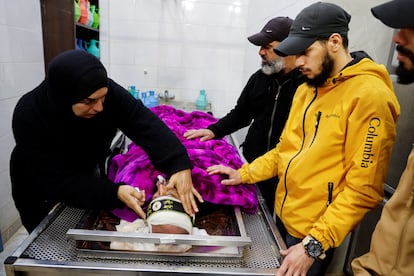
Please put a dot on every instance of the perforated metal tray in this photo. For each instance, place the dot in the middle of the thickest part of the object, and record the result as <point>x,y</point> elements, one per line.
<point>47,251</point>
<point>93,242</point>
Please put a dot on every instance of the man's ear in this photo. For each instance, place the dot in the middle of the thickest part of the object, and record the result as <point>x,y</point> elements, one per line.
<point>335,42</point>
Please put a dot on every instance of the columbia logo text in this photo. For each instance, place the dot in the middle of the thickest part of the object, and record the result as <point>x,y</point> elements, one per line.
<point>367,155</point>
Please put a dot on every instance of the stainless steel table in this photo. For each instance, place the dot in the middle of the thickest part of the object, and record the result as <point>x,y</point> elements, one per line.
<point>48,251</point>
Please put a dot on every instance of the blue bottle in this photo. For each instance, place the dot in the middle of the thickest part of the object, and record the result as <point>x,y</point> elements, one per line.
<point>1,243</point>
<point>152,99</point>
<point>144,98</point>
<point>201,101</point>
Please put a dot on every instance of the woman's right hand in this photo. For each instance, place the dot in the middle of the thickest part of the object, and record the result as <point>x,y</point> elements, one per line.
<point>133,198</point>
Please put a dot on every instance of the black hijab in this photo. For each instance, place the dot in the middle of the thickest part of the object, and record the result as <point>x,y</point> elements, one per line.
<point>74,75</point>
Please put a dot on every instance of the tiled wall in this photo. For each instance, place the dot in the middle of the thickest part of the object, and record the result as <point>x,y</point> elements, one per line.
<point>184,46</point>
<point>21,68</point>
<point>179,45</point>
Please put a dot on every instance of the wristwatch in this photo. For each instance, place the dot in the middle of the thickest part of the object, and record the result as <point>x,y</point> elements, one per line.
<point>313,248</point>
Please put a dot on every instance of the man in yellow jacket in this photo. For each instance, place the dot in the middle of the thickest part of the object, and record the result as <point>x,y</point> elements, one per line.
<point>392,243</point>
<point>333,154</point>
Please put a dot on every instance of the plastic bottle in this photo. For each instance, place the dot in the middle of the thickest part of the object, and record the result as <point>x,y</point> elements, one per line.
<point>91,14</point>
<point>201,101</point>
<point>77,11</point>
<point>83,19</point>
<point>144,98</point>
<point>135,93</point>
<point>92,46</point>
<point>1,243</point>
<point>152,99</point>
<point>96,18</point>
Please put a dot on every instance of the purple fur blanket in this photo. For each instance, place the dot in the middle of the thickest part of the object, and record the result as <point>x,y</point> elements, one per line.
<point>135,168</point>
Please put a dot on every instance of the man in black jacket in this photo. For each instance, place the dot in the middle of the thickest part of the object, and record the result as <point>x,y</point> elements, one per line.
<point>63,130</point>
<point>264,103</point>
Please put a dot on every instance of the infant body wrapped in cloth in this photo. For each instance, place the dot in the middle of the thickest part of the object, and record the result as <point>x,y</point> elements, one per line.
<point>165,214</point>
<point>136,169</point>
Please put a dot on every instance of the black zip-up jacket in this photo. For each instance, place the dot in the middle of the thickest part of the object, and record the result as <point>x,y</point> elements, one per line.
<point>264,104</point>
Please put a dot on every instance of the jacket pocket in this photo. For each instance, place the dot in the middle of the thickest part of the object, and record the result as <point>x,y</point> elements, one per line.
<point>330,191</point>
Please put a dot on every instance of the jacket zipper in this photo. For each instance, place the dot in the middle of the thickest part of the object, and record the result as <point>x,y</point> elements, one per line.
<point>269,134</point>
<point>300,150</point>
<point>330,190</point>
<point>318,118</point>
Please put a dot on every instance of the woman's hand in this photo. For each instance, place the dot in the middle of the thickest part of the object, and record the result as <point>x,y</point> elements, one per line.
<point>234,177</point>
<point>204,133</point>
<point>133,198</point>
<point>183,183</point>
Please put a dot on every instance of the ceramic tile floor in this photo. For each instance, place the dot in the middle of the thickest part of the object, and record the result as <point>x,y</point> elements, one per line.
<point>10,246</point>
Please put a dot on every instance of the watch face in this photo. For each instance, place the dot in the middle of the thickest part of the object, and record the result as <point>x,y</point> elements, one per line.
<point>314,248</point>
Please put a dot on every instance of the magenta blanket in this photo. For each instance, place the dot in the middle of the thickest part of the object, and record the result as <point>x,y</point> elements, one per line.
<point>136,169</point>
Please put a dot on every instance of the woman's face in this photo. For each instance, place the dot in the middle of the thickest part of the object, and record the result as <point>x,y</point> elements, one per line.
<point>88,108</point>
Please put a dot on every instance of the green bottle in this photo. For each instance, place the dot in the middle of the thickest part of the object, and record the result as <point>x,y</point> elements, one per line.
<point>201,102</point>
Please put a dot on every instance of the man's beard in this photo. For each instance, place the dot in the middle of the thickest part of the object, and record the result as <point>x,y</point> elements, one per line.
<point>327,67</point>
<point>405,76</point>
<point>272,67</point>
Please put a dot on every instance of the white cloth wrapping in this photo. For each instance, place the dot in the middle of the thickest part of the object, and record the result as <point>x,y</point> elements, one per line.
<point>159,214</point>
<point>139,226</point>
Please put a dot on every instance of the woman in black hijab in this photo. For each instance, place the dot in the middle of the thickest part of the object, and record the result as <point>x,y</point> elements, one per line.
<point>63,130</point>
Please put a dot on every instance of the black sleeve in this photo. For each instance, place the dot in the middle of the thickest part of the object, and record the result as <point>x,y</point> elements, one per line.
<point>145,129</point>
<point>240,116</point>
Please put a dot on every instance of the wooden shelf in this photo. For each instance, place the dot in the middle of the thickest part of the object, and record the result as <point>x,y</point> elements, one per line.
<point>60,29</point>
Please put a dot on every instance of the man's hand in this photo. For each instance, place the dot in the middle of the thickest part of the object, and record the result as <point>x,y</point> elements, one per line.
<point>133,198</point>
<point>183,183</point>
<point>205,134</point>
<point>234,177</point>
<point>295,261</point>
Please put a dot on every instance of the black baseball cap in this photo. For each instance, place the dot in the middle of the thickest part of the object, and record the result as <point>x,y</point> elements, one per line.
<point>276,29</point>
<point>396,14</point>
<point>317,21</point>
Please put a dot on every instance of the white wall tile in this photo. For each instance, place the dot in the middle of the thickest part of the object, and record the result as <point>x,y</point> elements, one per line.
<point>170,54</point>
<point>172,77</point>
<point>22,14</point>
<point>6,109</point>
<point>193,79</point>
<point>20,45</point>
<point>6,145</point>
<point>21,69</point>
<point>121,9</point>
<point>18,78</point>
<point>122,52</point>
<point>3,12</point>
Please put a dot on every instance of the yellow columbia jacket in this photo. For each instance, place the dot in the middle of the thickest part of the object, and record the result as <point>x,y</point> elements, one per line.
<point>333,155</point>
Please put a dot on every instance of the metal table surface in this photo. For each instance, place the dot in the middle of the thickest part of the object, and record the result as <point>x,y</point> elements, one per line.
<point>48,251</point>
